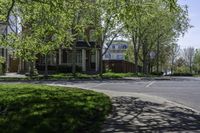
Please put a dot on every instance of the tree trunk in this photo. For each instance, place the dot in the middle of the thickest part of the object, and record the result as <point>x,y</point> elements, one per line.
<point>149,64</point>
<point>136,62</point>
<point>190,68</point>
<point>144,58</point>
<point>101,63</point>
<point>157,57</point>
<point>144,65</point>
<point>31,72</point>
<point>74,60</point>
<point>46,66</point>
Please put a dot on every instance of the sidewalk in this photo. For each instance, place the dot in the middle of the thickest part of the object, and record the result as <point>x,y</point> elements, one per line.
<point>13,75</point>
<point>140,113</point>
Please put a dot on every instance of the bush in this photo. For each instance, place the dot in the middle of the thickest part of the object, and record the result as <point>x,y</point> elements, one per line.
<point>68,69</point>
<point>39,108</point>
<point>58,69</point>
<point>182,74</point>
<point>157,73</point>
<point>2,68</point>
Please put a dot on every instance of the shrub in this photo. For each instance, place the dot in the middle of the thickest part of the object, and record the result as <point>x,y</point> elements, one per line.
<point>157,73</point>
<point>2,66</point>
<point>39,108</point>
<point>182,74</point>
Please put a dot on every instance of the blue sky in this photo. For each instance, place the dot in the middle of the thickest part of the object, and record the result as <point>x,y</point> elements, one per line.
<point>192,37</point>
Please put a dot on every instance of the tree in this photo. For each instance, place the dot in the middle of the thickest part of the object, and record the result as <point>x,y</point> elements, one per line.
<point>181,65</point>
<point>188,54</point>
<point>175,51</point>
<point>107,26</point>
<point>152,28</point>
<point>197,61</point>
<point>47,26</point>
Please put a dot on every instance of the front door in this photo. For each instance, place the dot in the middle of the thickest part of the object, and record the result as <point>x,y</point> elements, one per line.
<point>14,64</point>
<point>90,60</point>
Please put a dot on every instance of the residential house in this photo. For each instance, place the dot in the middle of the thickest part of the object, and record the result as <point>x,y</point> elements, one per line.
<point>116,51</point>
<point>87,58</point>
<point>114,58</point>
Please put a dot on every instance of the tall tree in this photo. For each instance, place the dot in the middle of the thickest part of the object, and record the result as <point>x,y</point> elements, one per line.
<point>107,26</point>
<point>197,61</point>
<point>175,51</point>
<point>189,56</point>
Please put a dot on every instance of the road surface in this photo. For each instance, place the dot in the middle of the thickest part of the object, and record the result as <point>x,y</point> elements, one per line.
<point>184,91</point>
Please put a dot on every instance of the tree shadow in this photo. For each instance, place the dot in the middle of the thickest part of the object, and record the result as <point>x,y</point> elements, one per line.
<point>133,115</point>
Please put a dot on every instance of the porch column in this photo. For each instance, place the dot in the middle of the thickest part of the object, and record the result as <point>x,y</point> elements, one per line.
<point>83,60</point>
<point>60,57</point>
<point>97,60</point>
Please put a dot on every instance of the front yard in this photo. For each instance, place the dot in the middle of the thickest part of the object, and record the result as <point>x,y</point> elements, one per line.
<point>40,108</point>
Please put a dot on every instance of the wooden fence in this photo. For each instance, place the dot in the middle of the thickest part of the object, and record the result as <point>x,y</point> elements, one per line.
<point>120,66</point>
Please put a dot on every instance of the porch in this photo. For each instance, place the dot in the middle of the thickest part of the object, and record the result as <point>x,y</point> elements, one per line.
<point>87,61</point>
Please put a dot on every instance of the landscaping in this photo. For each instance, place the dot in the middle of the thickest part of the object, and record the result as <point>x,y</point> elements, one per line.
<point>79,76</point>
<point>40,108</point>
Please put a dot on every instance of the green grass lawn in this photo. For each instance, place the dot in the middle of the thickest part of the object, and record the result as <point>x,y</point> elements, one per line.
<point>26,108</point>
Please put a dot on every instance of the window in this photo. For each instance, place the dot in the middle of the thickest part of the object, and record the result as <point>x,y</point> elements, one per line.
<point>64,56</point>
<point>120,57</point>
<point>125,46</point>
<point>69,56</point>
<point>93,57</point>
<point>107,56</point>
<point>53,59</point>
<point>113,46</point>
<point>79,57</point>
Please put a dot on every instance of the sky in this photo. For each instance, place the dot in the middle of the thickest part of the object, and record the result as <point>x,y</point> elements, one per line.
<point>192,37</point>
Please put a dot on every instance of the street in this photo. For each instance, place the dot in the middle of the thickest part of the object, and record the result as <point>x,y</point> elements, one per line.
<point>184,91</point>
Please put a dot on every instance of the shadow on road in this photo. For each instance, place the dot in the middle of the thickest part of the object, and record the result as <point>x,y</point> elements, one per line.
<point>133,115</point>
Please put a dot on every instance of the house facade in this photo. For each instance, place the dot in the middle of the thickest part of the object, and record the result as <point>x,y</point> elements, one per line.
<point>116,50</point>
<point>4,51</point>
<point>87,59</point>
<point>11,62</point>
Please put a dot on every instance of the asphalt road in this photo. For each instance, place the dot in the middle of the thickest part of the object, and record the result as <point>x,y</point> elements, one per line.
<point>184,91</point>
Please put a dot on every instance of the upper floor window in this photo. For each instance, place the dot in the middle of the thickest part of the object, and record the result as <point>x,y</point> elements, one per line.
<point>125,46</point>
<point>113,46</point>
